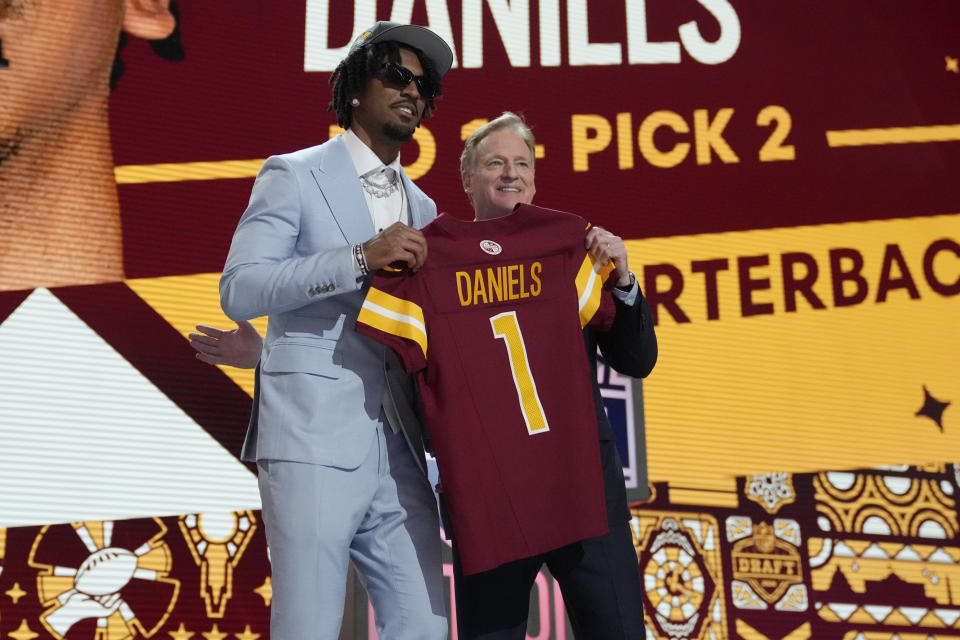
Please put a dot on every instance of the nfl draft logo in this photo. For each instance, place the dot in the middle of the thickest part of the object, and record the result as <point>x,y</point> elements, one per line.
<point>491,247</point>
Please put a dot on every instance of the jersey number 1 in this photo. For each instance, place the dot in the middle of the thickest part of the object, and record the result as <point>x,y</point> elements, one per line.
<point>505,326</point>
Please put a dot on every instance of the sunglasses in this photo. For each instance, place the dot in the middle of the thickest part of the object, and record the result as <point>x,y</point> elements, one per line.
<point>401,77</point>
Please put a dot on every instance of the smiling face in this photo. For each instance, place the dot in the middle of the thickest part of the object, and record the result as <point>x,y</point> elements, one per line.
<point>501,176</point>
<point>388,112</point>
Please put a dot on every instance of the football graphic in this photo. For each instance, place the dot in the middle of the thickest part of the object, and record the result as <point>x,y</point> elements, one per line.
<point>105,571</point>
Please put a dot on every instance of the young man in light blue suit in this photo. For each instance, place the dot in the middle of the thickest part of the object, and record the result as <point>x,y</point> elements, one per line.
<point>333,429</point>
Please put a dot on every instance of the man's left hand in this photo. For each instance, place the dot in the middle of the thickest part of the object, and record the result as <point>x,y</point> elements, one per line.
<point>606,247</point>
<point>238,347</point>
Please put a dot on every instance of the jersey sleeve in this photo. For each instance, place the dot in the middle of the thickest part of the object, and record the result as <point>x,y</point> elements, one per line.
<point>593,292</point>
<point>392,314</point>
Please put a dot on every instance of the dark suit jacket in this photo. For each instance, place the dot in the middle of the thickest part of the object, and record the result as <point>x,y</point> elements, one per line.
<point>630,347</point>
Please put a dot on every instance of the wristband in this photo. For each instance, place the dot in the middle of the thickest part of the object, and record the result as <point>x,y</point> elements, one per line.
<point>360,259</point>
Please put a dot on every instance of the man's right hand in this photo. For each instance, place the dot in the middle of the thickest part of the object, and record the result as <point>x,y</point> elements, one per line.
<point>396,243</point>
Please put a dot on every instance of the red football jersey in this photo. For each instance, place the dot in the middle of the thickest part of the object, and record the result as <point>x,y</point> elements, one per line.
<point>492,325</point>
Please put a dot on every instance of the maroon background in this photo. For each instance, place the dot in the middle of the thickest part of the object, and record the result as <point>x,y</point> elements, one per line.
<point>241,93</point>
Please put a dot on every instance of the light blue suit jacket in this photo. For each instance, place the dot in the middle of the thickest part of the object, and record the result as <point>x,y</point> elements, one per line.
<point>321,384</point>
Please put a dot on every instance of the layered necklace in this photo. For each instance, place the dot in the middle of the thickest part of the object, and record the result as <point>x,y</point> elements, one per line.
<point>380,183</point>
<point>383,183</point>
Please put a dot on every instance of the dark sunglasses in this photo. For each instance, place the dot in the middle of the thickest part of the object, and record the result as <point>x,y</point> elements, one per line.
<point>401,77</point>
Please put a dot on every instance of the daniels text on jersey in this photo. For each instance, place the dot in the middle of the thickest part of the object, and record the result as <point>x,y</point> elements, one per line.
<point>499,284</point>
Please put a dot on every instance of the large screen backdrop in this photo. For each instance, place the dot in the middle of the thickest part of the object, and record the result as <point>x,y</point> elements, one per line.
<point>787,177</point>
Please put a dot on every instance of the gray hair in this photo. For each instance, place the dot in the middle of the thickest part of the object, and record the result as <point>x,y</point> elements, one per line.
<point>508,120</point>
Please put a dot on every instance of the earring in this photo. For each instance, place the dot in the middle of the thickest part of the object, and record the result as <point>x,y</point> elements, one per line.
<point>355,102</point>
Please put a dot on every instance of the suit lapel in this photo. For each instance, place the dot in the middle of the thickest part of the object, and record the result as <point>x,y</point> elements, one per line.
<point>337,180</point>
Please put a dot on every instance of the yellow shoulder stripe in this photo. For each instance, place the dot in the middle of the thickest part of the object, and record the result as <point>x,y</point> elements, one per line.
<point>590,279</point>
<point>394,315</point>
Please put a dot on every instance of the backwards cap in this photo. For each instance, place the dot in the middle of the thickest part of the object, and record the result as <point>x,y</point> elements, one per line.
<point>432,45</point>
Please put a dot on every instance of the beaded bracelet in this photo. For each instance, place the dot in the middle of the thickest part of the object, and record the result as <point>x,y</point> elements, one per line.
<point>361,259</point>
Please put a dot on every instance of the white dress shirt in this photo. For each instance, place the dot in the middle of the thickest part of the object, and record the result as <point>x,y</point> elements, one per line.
<point>383,211</point>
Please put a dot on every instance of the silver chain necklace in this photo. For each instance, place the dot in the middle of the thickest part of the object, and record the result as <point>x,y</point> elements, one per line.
<point>380,190</point>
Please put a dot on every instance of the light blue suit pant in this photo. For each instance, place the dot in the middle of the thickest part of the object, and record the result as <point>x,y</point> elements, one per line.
<point>382,515</point>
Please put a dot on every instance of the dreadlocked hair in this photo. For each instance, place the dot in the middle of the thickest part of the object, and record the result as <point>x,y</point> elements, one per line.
<point>351,75</point>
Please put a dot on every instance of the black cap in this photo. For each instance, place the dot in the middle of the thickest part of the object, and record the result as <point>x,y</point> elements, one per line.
<point>432,45</point>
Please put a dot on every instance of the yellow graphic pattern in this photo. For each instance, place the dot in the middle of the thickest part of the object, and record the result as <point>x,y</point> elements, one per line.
<point>808,389</point>
<point>897,505</point>
<point>747,632</point>
<point>893,135</point>
<point>771,490</point>
<point>862,511</point>
<point>217,543</point>
<point>884,635</point>
<point>937,568</point>
<point>682,574</point>
<point>894,616</point>
<point>71,594</point>
<point>766,563</point>
<point>23,632</point>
